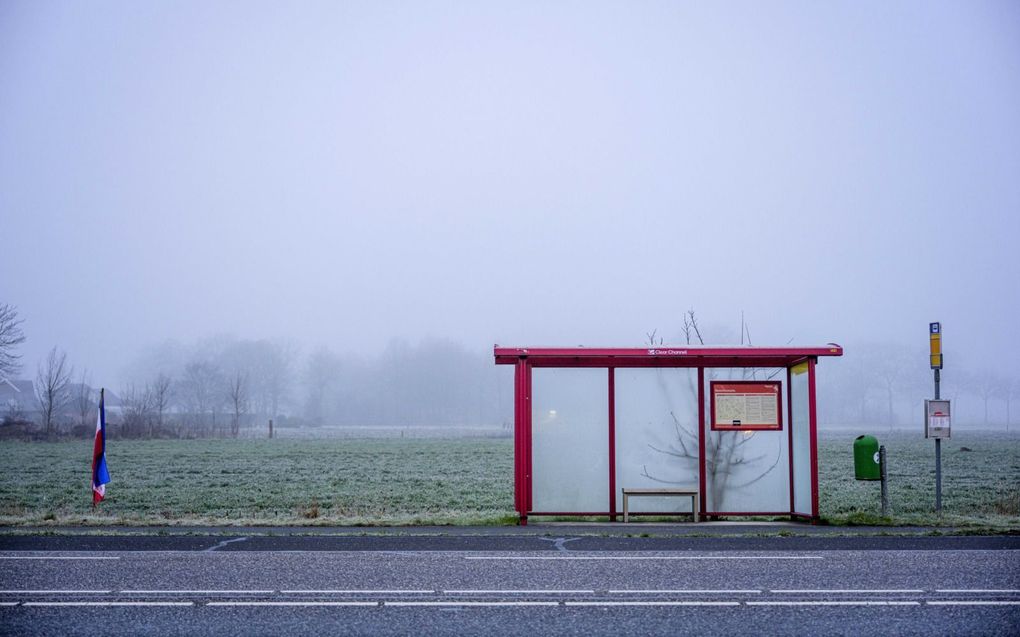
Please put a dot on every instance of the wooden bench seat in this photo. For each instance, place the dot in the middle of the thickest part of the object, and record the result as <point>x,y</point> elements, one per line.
<point>693,495</point>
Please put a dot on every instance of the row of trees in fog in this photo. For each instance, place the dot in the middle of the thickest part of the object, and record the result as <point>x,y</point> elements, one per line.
<point>224,386</point>
<point>227,386</point>
<point>886,384</point>
<point>238,383</point>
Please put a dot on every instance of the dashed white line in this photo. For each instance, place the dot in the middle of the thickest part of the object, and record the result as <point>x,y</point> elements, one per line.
<point>654,603</point>
<point>54,592</point>
<point>644,557</point>
<point>841,602</point>
<point>519,592</point>
<point>356,592</point>
<point>801,591</point>
<point>196,592</point>
<point>108,604</point>
<point>293,603</point>
<point>8,603</point>
<point>972,602</point>
<point>40,557</point>
<point>465,603</point>
<point>689,591</point>
<point>977,590</point>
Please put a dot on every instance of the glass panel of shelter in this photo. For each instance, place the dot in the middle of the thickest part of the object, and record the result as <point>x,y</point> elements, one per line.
<point>746,471</point>
<point>570,440</point>
<point>800,429</point>
<point>656,435</point>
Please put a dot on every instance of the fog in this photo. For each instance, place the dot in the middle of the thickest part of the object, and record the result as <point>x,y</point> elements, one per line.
<point>363,177</point>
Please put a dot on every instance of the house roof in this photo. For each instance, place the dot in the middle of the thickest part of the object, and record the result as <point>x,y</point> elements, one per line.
<point>22,391</point>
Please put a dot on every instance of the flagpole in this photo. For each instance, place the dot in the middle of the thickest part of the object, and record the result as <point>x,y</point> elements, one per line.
<point>99,471</point>
<point>101,396</point>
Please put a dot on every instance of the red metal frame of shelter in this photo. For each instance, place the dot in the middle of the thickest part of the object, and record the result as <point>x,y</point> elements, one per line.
<point>525,359</point>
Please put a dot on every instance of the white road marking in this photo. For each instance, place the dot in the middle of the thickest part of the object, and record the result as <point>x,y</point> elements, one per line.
<point>846,590</point>
<point>54,592</point>
<point>37,557</point>
<point>108,604</point>
<point>197,592</point>
<point>471,603</point>
<point>972,602</point>
<point>652,603</point>
<point>827,602</point>
<point>977,590</point>
<point>292,604</point>
<point>647,557</point>
<point>8,603</point>
<point>357,592</point>
<point>517,592</point>
<point>688,591</point>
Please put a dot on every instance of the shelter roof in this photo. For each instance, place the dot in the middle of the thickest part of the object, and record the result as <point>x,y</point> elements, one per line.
<point>663,356</point>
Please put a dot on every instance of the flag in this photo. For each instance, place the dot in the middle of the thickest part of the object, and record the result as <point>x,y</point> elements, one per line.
<point>100,474</point>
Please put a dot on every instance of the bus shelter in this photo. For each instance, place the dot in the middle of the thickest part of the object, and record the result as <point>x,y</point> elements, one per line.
<point>736,425</point>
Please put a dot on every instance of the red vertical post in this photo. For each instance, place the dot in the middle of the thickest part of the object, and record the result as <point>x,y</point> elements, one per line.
<point>612,444</point>
<point>527,440</point>
<point>813,420</point>
<point>789,432</point>
<point>519,455</point>
<point>702,496</point>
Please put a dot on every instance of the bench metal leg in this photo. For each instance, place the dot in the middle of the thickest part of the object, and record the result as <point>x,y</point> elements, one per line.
<point>625,509</point>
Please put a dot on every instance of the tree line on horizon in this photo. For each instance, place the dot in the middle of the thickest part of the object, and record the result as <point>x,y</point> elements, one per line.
<point>229,387</point>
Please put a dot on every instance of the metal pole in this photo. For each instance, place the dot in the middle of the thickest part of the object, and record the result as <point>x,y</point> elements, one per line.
<point>885,490</point>
<point>938,457</point>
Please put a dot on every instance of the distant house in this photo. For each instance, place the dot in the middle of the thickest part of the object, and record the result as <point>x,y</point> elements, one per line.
<point>113,401</point>
<point>17,399</point>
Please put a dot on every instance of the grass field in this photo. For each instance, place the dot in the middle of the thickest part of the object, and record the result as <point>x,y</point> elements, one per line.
<point>438,481</point>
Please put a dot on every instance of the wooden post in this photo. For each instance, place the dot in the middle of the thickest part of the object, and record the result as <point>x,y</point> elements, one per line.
<point>270,428</point>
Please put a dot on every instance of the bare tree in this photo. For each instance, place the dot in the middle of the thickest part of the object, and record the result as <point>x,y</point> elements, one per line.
<point>137,415</point>
<point>724,450</point>
<point>161,391</point>
<point>11,336</point>
<point>200,385</point>
<point>987,385</point>
<point>51,383</point>
<point>82,400</point>
<point>237,394</point>
<point>889,366</point>
<point>321,373</point>
<point>1011,390</point>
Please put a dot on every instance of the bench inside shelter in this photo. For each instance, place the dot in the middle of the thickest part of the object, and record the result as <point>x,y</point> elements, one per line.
<point>693,495</point>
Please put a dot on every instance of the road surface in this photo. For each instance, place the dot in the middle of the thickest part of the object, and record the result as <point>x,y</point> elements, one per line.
<point>497,584</point>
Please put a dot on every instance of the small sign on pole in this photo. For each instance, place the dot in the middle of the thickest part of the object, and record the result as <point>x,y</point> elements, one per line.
<point>935,344</point>
<point>937,419</point>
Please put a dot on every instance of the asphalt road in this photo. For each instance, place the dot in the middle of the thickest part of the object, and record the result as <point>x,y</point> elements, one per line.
<point>533,584</point>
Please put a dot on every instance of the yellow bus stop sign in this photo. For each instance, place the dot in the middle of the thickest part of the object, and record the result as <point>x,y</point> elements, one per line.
<point>935,344</point>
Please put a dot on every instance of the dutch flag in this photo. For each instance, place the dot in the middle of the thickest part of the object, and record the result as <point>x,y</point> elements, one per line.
<point>100,474</point>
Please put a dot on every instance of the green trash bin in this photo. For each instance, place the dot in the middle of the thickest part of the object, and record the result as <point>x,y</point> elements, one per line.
<point>866,466</point>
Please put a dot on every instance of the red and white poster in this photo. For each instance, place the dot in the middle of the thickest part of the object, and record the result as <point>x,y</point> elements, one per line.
<point>746,404</point>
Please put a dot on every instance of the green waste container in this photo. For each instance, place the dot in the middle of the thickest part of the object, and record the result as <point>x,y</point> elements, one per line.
<point>866,466</point>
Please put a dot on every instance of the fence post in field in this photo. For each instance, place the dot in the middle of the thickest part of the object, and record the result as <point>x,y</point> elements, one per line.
<point>885,490</point>
<point>270,428</point>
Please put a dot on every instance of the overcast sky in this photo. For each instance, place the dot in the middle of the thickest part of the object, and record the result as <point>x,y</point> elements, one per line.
<point>520,173</point>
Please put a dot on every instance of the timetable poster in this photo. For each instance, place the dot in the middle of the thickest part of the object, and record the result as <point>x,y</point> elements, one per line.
<point>740,405</point>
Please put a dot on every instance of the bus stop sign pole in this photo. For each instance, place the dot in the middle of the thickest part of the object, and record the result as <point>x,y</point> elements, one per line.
<point>935,350</point>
